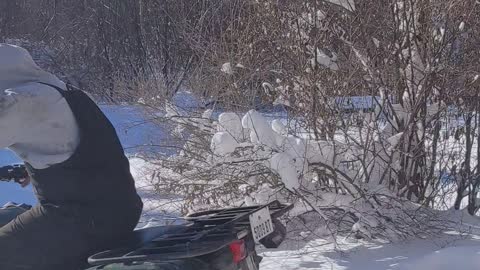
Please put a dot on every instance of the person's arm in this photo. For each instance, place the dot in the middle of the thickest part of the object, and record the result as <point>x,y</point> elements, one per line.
<point>23,109</point>
<point>9,117</point>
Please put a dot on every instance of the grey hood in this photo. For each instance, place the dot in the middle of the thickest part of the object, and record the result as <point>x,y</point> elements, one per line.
<point>17,67</point>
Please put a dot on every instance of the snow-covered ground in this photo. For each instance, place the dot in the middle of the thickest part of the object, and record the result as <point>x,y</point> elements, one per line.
<point>414,255</point>
<point>302,250</point>
<point>456,248</point>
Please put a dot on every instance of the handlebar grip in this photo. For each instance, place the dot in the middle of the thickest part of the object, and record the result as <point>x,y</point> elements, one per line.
<point>13,172</point>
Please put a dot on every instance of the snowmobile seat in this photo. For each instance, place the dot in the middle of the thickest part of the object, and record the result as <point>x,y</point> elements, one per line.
<point>141,237</point>
<point>133,241</point>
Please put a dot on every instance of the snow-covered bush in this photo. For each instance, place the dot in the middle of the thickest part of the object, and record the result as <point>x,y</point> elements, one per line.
<point>251,158</point>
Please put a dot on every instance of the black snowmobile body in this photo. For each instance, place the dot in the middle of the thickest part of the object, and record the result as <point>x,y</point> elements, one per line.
<point>221,239</point>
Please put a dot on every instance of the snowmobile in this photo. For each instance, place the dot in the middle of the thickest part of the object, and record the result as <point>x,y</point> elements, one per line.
<point>222,239</point>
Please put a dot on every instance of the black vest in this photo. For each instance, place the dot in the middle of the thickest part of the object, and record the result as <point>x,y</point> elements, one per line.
<point>97,172</point>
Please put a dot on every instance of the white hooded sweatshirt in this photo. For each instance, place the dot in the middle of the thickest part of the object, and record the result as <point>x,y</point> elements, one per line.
<point>35,120</point>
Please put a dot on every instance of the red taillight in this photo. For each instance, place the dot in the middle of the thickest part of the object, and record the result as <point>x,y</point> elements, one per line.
<point>238,250</point>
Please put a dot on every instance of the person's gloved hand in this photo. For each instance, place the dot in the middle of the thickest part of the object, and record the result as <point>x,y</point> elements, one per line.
<point>24,181</point>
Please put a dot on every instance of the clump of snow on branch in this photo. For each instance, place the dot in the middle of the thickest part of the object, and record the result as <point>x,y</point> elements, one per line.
<point>323,59</point>
<point>227,68</point>
<point>231,123</point>
<point>346,4</point>
<point>223,143</point>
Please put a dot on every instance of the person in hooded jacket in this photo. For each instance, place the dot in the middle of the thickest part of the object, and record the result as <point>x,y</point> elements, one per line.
<point>80,175</point>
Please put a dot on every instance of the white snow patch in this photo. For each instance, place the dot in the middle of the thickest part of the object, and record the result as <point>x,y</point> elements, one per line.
<point>279,127</point>
<point>171,110</point>
<point>207,114</point>
<point>393,141</point>
<point>157,209</point>
<point>464,257</point>
<point>346,4</point>
<point>325,60</point>
<point>227,68</point>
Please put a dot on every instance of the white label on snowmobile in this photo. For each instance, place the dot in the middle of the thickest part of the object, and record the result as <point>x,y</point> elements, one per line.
<point>261,224</point>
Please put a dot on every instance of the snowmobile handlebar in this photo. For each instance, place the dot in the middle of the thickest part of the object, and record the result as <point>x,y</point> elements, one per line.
<point>14,172</point>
